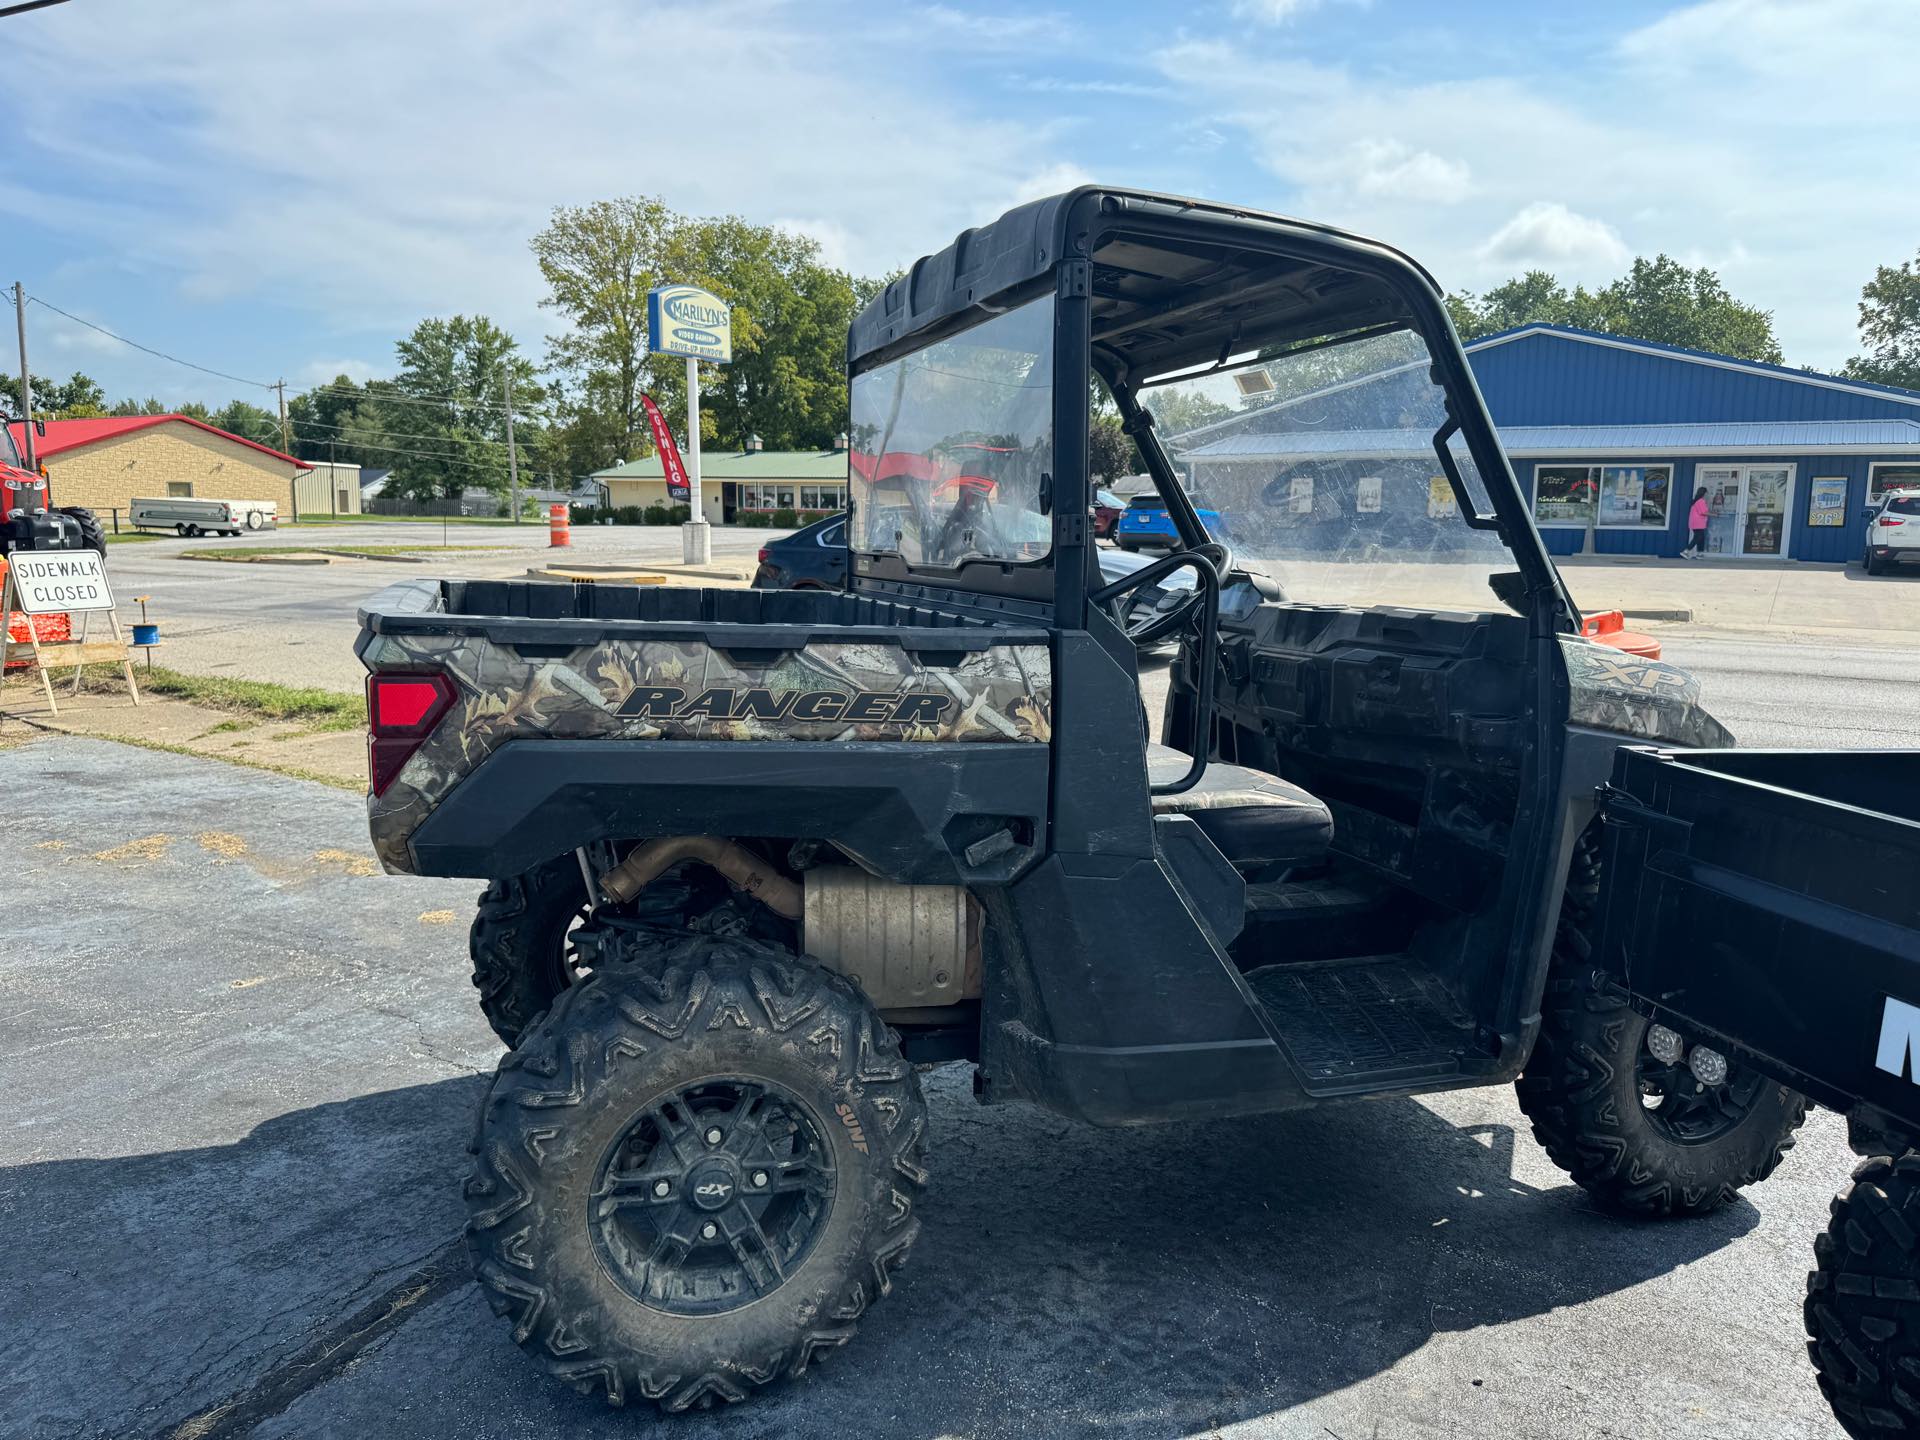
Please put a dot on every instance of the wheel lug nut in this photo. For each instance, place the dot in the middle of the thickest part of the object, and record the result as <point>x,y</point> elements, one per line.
<point>662,1189</point>
<point>714,1136</point>
<point>759,1178</point>
<point>709,1230</point>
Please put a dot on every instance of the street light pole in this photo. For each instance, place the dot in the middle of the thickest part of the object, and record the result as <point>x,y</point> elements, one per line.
<point>26,380</point>
<point>696,546</point>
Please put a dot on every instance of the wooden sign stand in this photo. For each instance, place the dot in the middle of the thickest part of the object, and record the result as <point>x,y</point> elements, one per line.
<point>81,652</point>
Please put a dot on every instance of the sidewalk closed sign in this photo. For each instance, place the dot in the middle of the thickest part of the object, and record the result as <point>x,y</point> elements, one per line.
<point>53,580</point>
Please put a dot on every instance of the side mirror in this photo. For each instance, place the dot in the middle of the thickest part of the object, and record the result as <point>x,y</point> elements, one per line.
<point>1510,589</point>
<point>1868,513</point>
<point>40,428</point>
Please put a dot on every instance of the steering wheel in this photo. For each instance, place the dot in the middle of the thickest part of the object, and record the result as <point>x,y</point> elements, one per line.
<point>1167,619</point>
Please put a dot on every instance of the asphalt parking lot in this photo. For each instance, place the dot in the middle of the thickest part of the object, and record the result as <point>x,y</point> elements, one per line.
<point>242,1068</point>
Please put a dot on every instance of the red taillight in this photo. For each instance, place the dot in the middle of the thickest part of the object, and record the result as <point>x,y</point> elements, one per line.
<point>1889,520</point>
<point>401,712</point>
<point>764,552</point>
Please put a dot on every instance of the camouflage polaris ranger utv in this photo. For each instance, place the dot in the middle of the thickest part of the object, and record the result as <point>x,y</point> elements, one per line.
<point>756,857</point>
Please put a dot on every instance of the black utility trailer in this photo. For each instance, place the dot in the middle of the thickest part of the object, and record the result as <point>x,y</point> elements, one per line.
<point>755,856</point>
<point>1764,901</point>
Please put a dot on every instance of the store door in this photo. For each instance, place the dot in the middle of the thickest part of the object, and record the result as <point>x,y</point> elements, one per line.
<point>1747,508</point>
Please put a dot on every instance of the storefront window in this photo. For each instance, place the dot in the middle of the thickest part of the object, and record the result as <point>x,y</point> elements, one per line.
<point>1882,478</point>
<point>1613,497</point>
<point>1563,494</point>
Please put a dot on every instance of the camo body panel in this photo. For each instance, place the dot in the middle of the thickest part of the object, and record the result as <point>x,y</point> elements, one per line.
<point>1000,694</point>
<point>1629,695</point>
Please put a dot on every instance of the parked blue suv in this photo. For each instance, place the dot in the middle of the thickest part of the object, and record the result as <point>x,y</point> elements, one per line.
<point>1146,523</point>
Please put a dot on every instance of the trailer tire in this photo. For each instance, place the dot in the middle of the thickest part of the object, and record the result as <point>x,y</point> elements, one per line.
<point>1863,1308</point>
<point>1581,1089</point>
<point>518,944</point>
<point>620,1091</point>
<point>93,535</point>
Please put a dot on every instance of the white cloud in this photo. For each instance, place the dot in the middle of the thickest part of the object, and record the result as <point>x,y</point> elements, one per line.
<point>1273,12</point>
<point>1048,180</point>
<point>1694,135</point>
<point>322,372</point>
<point>995,31</point>
<point>1392,169</point>
<point>1546,235</point>
<point>263,170</point>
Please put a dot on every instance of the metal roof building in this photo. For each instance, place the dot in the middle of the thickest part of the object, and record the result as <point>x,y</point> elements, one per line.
<point>1612,437</point>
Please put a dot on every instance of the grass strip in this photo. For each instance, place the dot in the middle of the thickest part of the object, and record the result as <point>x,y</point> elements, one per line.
<point>319,709</point>
<point>254,552</point>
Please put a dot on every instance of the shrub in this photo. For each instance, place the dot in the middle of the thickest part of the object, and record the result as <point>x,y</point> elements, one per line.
<point>679,514</point>
<point>628,515</point>
<point>784,520</point>
<point>752,519</point>
<point>656,515</point>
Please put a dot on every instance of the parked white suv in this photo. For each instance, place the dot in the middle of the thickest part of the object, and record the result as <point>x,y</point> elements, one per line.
<point>1893,530</point>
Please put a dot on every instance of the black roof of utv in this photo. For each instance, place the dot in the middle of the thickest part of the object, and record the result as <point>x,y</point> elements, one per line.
<point>1171,277</point>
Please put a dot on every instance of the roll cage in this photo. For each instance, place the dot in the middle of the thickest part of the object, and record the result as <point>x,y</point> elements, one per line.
<point>1147,287</point>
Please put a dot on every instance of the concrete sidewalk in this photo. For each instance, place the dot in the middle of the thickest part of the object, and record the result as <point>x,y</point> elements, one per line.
<point>1784,600</point>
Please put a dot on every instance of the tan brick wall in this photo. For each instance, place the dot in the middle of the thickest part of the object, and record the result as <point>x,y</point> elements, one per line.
<point>113,472</point>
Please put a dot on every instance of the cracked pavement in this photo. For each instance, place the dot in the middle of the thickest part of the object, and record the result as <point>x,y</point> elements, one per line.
<point>241,1074</point>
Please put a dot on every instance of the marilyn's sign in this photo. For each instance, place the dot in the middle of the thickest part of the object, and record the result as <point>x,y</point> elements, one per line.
<point>686,320</point>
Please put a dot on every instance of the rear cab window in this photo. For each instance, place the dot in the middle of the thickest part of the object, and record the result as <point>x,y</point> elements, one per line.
<point>953,445</point>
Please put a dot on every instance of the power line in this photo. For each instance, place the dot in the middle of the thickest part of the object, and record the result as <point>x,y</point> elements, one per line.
<point>148,349</point>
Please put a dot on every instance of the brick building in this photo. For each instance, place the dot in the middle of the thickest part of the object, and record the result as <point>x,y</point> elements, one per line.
<point>105,463</point>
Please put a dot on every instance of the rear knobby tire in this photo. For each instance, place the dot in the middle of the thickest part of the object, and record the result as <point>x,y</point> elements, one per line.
<point>1863,1302</point>
<point>518,944</point>
<point>629,1044</point>
<point>1581,1089</point>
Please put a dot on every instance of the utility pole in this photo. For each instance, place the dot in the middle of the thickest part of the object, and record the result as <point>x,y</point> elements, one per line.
<point>26,380</point>
<point>513,460</point>
<point>286,436</point>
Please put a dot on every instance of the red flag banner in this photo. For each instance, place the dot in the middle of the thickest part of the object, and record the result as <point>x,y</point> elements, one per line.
<point>670,462</point>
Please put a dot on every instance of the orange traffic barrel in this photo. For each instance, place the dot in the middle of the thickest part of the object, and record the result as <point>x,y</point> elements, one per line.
<point>559,526</point>
<point>1609,627</point>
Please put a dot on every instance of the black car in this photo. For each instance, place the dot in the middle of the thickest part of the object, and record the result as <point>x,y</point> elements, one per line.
<point>813,557</point>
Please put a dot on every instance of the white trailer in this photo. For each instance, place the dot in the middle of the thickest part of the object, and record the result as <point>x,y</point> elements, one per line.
<point>186,516</point>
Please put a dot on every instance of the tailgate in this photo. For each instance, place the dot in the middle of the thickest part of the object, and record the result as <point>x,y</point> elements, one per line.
<point>1772,899</point>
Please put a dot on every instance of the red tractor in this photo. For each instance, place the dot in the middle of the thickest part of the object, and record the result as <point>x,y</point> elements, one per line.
<point>28,521</point>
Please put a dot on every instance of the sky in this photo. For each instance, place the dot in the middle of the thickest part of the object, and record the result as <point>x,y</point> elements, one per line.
<point>280,190</point>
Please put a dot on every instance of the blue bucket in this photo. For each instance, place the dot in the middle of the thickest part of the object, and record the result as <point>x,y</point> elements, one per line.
<point>146,634</point>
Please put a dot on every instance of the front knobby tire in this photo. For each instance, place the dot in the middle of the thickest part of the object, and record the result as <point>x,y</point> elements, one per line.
<point>1585,1088</point>
<point>519,944</point>
<point>1863,1301</point>
<point>597,1175</point>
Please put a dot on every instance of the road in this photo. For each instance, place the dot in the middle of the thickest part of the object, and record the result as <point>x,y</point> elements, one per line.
<point>241,1070</point>
<point>295,625</point>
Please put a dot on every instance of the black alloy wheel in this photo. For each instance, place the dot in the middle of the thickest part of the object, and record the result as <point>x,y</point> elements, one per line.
<point>713,1196</point>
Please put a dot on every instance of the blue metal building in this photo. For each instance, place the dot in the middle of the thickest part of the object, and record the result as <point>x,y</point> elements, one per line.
<point>1789,458</point>
<point>1612,437</point>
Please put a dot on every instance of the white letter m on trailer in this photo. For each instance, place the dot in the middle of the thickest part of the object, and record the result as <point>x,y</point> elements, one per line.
<point>1899,1030</point>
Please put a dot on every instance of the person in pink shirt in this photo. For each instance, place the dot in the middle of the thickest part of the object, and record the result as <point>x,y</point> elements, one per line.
<point>1697,523</point>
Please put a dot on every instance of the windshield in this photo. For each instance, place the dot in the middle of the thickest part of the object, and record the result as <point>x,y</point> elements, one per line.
<point>951,444</point>
<point>11,455</point>
<point>1321,465</point>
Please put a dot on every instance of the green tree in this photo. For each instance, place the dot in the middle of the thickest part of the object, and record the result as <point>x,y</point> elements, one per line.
<point>74,398</point>
<point>248,421</point>
<point>599,261</point>
<point>786,382</point>
<point>1660,300</point>
<point>1889,327</point>
<point>321,420</point>
<point>441,421</point>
